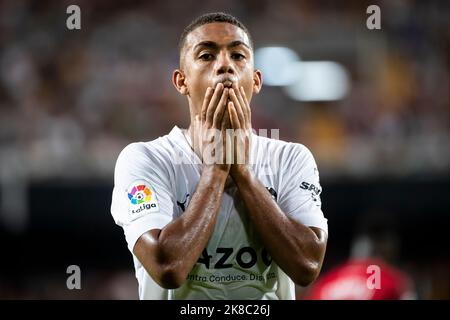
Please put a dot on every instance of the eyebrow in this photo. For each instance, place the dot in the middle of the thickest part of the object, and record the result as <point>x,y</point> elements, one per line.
<point>214,45</point>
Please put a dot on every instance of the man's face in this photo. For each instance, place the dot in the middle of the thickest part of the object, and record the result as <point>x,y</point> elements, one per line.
<point>217,52</point>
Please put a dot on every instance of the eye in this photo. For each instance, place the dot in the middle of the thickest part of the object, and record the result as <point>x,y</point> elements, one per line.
<point>237,56</point>
<point>206,57</point>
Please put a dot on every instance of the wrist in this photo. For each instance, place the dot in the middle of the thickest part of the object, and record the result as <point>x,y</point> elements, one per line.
<point>241,172</point>
<point>216,171</point>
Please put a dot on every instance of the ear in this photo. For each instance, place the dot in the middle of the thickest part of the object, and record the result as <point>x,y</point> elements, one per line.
<point>257,81</point>
<point>179,82</point>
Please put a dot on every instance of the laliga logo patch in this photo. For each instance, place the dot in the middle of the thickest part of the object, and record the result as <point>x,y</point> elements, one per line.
<point>140,194</point>
<point>142,199</point>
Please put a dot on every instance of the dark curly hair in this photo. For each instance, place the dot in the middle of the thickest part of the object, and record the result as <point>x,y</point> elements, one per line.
<point>211,18</point>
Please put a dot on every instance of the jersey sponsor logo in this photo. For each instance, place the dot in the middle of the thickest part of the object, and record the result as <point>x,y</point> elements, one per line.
<point>246,257</point>
<point>272,192</point>
<point>310,187</point>
<point>241,277</point>
<point>238,277</point>
<point>140,194</point>
<point>315,191</point>
<point>142,199</point>
<point>182,205</point>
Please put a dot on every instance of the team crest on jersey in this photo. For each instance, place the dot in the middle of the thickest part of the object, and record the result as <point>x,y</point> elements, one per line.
<point>142,199</point>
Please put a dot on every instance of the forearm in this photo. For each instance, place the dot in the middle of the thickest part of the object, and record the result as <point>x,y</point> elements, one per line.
<point>181,242</point>
<point>295,247</point>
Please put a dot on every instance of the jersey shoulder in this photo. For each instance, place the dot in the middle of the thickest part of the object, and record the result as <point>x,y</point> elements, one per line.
<point>154,154</point>
<point>157,145</point>
<point>285,150</point>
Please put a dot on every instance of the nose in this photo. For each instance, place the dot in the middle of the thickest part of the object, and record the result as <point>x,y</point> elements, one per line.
<point>224,64</point>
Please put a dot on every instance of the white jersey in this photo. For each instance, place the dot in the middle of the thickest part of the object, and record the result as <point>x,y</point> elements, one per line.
<point>153,184</point>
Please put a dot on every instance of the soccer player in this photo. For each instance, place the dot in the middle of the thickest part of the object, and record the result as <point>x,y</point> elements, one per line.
<point>249,228</point>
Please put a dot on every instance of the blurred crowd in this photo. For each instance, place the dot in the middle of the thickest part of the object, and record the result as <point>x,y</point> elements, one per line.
<point>70,100</point>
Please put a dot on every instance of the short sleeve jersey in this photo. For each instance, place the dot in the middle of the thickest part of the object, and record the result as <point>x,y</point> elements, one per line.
<point>153,184</point>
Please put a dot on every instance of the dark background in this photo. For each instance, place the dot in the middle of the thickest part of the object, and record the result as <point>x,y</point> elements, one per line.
<point>71,100</point>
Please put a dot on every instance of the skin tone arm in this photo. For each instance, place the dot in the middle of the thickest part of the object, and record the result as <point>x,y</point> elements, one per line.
<point>299,250</point>
<point>159,251</point>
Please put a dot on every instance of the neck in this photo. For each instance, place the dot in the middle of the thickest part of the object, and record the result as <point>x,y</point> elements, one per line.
<point>191,138</point>
<point>193,113</point>
<point>190,132</point>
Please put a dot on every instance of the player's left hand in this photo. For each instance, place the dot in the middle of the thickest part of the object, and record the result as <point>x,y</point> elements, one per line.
<point>240,117</point>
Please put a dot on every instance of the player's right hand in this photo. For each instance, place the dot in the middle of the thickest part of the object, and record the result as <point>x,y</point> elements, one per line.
<point>210,127</point>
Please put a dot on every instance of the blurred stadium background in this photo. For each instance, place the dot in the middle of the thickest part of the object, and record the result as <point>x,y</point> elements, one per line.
<point>376,117</point>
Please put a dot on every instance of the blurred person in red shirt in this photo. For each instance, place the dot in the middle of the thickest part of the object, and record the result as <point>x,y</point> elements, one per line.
<point>371,272</point>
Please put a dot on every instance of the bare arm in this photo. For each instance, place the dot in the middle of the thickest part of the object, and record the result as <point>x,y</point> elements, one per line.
<point>299,250</point>
<point>169,254</point>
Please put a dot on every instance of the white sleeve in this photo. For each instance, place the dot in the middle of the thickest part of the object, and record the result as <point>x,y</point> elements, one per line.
<point>300,188</point>
<point>142,199</point>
